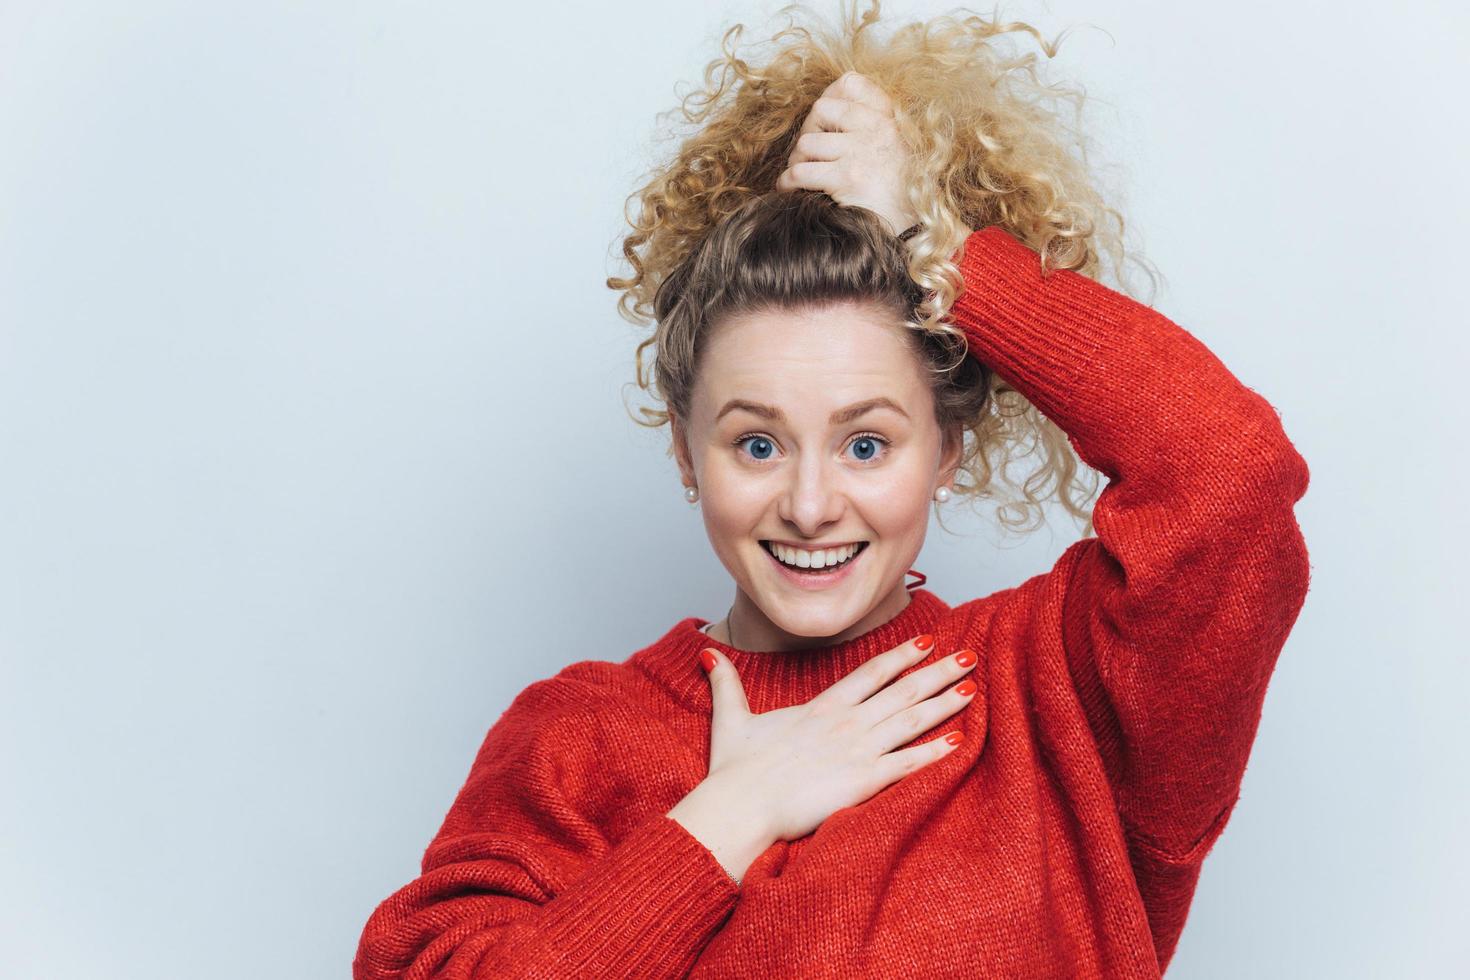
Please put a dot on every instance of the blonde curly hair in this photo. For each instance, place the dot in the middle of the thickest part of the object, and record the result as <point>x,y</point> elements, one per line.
<point>987,147</point>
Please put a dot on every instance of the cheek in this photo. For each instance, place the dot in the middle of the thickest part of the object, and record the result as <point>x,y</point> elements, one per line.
<point>733,507</point>
<point>898,506</point>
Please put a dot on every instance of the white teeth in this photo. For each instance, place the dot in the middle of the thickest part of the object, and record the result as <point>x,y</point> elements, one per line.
<point>822,558</point>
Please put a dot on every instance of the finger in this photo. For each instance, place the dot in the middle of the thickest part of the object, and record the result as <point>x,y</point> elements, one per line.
<point>859,685</point>
<point>819,145</point>
<point>860,88</point>
<point>913,722</point>
<point>910,690</point>
<point>727,694</point>
<point>896,765</point>
<point>815,175</point>
<point>836,115</point>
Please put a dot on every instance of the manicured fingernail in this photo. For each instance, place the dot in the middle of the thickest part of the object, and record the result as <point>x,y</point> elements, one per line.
<point>924,642</point>
<point>955,738</point>
<point>965,658</point>
<point>707,657</point>
<point>965,688</point>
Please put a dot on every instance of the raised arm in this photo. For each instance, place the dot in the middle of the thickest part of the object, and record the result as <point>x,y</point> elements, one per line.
<point>1172,617</point>
<point>531,874</point>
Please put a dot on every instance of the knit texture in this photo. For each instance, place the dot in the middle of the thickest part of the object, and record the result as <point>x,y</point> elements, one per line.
<point>1119,694</point>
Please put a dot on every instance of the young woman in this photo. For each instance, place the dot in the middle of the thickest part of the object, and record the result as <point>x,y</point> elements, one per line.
<point>846,776</point>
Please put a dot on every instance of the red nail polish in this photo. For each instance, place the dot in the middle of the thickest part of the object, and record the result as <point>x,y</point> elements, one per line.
<point>707,657</point>
<point>924,642</point>
<point>965,658</point>
<point>965,688</point>
<point>955,738</point>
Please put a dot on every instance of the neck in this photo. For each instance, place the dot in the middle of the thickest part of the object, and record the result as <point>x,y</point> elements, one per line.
<point>754,630</point>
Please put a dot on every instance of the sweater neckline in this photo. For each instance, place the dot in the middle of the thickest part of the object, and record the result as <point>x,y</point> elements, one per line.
<point>775,678</point>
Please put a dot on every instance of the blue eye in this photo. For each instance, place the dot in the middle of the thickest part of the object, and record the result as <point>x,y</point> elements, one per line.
<point>867,440</point>
<point>758,440</point>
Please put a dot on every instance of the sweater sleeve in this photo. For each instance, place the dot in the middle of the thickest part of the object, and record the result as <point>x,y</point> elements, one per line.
<point>1172,617</point>
<point>543,869</point>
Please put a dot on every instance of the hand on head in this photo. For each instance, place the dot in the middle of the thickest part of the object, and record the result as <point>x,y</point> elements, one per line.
<point>850,148</point>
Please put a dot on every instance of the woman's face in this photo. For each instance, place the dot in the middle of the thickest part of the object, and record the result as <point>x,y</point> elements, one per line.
<point>781,450</point>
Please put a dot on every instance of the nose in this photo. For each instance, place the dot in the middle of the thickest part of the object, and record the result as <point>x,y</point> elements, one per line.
<point>813,496</point>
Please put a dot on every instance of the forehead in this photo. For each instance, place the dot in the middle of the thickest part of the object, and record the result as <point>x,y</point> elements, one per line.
<point>832,354</point>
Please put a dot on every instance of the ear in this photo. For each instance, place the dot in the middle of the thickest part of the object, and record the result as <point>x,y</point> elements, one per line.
<point>949,459</point>
<point>680,446</point>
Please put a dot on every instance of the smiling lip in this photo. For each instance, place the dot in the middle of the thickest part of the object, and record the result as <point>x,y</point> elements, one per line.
<point>815,581</point>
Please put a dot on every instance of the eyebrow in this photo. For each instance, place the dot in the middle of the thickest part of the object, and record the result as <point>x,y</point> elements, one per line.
<point>838,417</point>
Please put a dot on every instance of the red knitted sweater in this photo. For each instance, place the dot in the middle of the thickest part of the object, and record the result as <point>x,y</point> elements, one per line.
<point>1119,696</point>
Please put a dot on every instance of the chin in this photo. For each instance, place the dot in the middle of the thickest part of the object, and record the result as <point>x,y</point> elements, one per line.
<point>813,623</point>
<point>813,614</point>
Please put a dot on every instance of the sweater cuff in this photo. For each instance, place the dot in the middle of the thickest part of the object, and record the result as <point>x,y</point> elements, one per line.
<point>647,908</point>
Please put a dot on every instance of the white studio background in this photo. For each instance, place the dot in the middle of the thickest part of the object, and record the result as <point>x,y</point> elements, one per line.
<point>313,450</point>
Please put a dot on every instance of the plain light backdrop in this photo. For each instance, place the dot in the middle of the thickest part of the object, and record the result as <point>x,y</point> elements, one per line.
<point>313,448</point>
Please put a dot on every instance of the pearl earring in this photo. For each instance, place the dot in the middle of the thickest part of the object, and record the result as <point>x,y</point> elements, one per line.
<point>942,495</point>
<point>691,494</point>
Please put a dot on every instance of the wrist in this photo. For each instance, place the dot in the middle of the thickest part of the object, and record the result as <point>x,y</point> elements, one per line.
<point>722,818</point>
